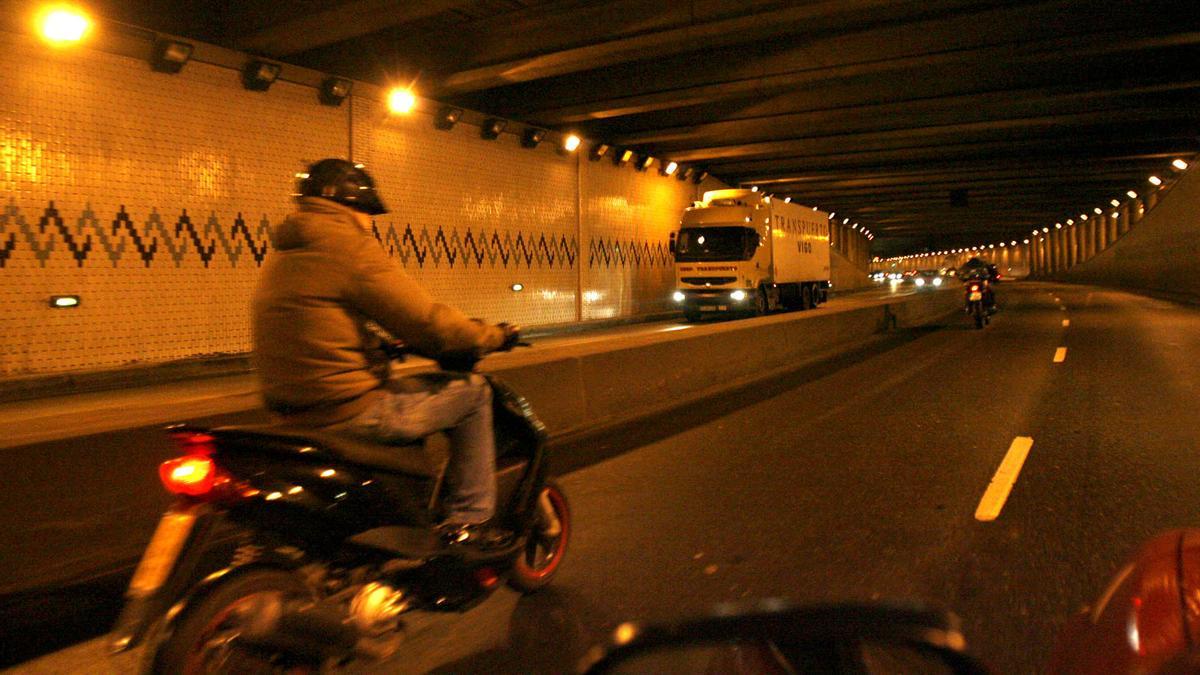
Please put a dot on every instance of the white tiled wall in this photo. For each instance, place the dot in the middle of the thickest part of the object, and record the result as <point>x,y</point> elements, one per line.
<point>151,197</point>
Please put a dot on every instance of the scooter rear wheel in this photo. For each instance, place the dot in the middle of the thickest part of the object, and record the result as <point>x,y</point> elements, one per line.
<point>537,563</point>
<point>204,640</point>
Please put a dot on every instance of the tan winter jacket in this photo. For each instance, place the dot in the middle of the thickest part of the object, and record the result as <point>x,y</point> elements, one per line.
<point>318,363</point>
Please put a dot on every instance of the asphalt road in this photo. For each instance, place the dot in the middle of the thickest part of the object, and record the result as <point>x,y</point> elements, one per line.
<point>860,479</point>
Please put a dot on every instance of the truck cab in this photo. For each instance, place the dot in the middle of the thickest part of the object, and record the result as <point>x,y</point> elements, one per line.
<point>739,251</point>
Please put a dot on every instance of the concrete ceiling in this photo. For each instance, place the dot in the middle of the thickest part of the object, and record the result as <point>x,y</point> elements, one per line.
<point>877,109</point>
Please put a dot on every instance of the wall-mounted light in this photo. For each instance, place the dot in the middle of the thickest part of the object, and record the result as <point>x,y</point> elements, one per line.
<point>571,143</point>
<point>1083,216</point>
<point>1114,202</point>
<point>334,90</point>
<point>447,116</point>
<point>623,157</point>
<point>64,301</point>
<point>63,25</point>
<point>401,101</point>
<point>788,200</point>
<point>517,288</point>
<point>1155,180</point>
<point>169,56</point>
<point>669,168</point>
<point>832,214</point>
<point>1132,194</point>
<point>644,162</point>
<point>1026,241</point>
<point>492,127</point>
<point>598,150</point>
<point>260,75</point>
<point>1180,164</point>
<point>532,137</point>
<point>700,177</point>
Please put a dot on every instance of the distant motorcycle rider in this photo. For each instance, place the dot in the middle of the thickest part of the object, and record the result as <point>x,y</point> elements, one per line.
<point>321,361</point>
<point>982,276</point>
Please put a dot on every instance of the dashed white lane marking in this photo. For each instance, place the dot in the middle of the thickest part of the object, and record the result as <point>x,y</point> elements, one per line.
<point>1060,355</point>
<point>1066,322</point>
<point>1003,480</point>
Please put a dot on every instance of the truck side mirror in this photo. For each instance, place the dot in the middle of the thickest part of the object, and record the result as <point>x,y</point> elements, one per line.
<point>671,243</point>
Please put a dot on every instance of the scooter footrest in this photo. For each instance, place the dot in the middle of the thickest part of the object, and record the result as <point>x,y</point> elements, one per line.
<point>407,542</point>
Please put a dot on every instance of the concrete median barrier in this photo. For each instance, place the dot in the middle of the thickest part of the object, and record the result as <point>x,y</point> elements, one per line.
<point>577,389</point>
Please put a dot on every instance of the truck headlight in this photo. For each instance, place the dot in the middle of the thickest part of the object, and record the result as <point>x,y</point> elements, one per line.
<point>937,281</point>
<point>920,281</point>
<point>738,296</point>
<point>677,296</point>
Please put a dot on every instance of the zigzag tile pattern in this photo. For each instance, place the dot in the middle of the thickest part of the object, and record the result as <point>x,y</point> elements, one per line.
<point>159,239</point>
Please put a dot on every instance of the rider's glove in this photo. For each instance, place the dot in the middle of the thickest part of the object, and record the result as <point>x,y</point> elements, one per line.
<point>512,335</point>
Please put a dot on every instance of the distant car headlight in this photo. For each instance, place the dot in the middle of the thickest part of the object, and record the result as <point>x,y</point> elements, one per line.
<point>677,296</point>
<point>738,296</point>
<point>937,281</point>
<point>919,281</point>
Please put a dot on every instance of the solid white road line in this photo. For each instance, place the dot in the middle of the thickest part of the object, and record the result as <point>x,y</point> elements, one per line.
<point>1004,479</point>
<point>1060,355</point>
<point>1066,322</point>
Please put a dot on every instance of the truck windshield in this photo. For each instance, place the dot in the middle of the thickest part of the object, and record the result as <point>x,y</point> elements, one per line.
<point>698,244</point>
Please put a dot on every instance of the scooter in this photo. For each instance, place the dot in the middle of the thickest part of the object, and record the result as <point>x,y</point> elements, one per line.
<point>337,541</point>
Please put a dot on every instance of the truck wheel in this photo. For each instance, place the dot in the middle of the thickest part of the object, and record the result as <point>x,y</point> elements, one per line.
<point>760,302</point>
<point>806,297</point>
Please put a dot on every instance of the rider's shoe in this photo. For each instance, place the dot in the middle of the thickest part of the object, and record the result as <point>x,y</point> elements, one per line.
<point>482,537</point>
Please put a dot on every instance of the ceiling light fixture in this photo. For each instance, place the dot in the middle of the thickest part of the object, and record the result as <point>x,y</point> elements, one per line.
<point>492,128</point>
<point>447,116</point>
<point>169,56</point>
<point>260,75</point>
<point>532,137</point>
<point>334,90</point>
<point>401,101</point>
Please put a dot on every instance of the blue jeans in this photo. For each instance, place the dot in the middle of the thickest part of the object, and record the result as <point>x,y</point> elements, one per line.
<point>459,404</point>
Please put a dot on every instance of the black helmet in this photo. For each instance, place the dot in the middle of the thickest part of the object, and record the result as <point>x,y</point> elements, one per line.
<point>343,182</point>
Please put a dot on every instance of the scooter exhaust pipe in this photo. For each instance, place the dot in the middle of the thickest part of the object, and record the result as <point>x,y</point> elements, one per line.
<point>305,629</point>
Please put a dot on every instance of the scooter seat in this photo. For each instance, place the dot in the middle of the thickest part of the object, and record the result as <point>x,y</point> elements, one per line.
<point>425,458</point>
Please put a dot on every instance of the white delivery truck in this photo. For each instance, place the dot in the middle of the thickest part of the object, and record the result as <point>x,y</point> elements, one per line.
<point>740,251</point>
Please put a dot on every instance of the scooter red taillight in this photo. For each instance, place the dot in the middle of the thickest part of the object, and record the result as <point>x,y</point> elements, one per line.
<point>192,475</point>
<point>195,474</point>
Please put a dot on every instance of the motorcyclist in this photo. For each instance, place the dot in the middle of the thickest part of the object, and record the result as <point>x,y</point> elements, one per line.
<point>983,277</point>
<point>320,300</point>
